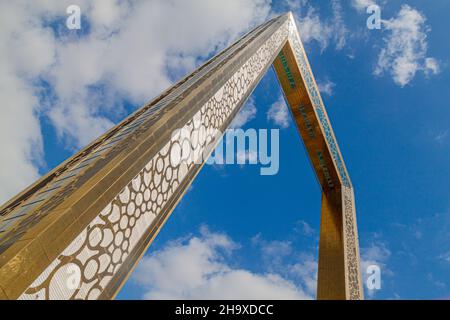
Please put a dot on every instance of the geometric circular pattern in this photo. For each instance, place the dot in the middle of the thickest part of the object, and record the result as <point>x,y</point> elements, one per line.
<point>85,267</point>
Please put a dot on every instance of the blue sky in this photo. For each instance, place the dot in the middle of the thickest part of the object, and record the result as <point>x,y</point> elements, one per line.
<point>235,227</point>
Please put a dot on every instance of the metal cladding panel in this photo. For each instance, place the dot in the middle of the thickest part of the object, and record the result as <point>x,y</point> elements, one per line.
<point>78,232</point>
<point>104,208</point>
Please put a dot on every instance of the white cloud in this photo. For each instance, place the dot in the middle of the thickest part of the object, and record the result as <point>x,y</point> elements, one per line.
<point>406,48</point>
<point>326,87</point>
<point>375,254</point>
<point>305,271</point>
<point>273,252</point>
<point>303,228</point>
<point>247,113</point>
<point>130,51</point>
<point>198,268</point>
<point>26,50</point>
<point>445,256</point>
<point>432,66</point>
<point>362,5</point>
<point>441,136</point>
<point>279,113</point>
<point>280,257</point>
<point>339,29</point>
<point>313,28</point>
<point>277,248</point>
<point>436,282</point>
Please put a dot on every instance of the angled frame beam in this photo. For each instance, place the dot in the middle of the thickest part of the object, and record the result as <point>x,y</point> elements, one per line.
<point>79,231</point>
<point>339,274</point>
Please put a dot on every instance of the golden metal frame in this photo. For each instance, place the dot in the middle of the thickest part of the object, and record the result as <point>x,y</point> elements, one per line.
<point>91,219</point>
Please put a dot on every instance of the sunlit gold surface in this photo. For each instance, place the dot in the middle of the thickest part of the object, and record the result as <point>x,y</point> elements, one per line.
<point>99,211</point>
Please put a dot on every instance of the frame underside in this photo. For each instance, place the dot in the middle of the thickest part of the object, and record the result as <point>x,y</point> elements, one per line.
<point>79,231</point>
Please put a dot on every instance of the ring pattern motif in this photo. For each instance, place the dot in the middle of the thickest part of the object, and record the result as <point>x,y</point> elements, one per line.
<point>87,265</point>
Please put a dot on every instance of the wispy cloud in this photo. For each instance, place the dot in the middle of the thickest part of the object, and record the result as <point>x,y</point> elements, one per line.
<point>303,228</point>
<point>435,282</point>
<point>273,252</point>
<point>445,256</point>
<point>199,268</point>
<point>441,136</point>
<point>326,87</point>
<point>247,113</point>
<point>340,29</point>
<point>405,51</point>
<point>280,256</point>
<point>313,27</point>
<point>362,5</point>
<point>279,113</point>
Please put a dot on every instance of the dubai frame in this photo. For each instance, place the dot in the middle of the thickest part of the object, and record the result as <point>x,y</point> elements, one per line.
<point>78,232</point>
